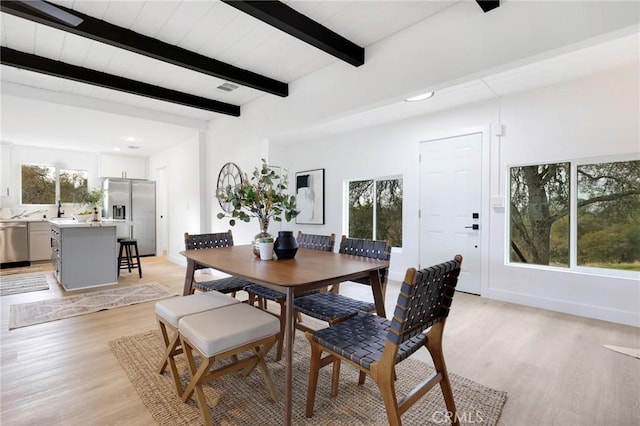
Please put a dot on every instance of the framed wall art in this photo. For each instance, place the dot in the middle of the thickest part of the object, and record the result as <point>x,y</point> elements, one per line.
<point>310,197</point>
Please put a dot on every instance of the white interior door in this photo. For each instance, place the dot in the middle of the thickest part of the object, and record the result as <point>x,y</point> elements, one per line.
<point>161,213</point>
<point>450,201</point>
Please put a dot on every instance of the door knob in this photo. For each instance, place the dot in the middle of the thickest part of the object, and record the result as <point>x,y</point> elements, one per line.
<point>475,226</point>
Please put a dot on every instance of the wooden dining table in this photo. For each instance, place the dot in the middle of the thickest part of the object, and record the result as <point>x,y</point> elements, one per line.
<point>310,269</point>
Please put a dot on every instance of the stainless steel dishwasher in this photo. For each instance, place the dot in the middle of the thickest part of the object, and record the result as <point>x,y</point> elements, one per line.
<point>14,242</point>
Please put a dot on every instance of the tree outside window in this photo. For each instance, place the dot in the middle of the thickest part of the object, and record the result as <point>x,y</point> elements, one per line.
<point>607,196</point>
<point>39,183</point>
<point>73,185</point>
<point>375,210</point>
<point>609,215</point>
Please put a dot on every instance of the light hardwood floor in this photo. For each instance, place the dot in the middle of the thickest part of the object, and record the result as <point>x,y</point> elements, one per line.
<point>553,366</point>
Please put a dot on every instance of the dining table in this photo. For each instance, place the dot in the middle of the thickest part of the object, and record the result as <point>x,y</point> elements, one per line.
<point>309,269</point>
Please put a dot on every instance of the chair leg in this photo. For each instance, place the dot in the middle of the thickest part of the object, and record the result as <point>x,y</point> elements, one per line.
<point>434,345</point>
<point>335,377</point>
<point>172,349</point>
<point>283,317</point>
<point>314,369</point>
<point>386,384</point>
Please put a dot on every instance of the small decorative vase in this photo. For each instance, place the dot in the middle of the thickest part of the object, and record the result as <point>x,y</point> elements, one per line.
<point>285,245</point>
<point>266,251</point>
<point>264,225</point>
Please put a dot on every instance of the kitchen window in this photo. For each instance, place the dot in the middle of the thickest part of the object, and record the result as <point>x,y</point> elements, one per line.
<point>43,184</point>
<point>375,209</point>
<point>576,214</point>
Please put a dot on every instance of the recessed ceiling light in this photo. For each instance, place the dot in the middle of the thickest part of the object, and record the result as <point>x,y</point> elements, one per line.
<point>420,97</point>
<point>130,139</point>
<point>116,149</point>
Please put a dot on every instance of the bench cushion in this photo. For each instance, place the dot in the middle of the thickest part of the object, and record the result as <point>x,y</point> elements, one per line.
<point>171,310</point>
<point>219,330</point>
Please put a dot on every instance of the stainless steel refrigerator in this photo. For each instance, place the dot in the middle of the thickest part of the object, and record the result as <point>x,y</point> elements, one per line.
<point>134,201</point>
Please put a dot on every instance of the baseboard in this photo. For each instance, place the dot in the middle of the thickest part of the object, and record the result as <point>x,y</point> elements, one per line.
<point>582,310</point>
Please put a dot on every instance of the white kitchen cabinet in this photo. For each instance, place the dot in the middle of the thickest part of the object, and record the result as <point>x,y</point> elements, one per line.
<point>39,241</point>
<point>84,255</point>
<point>115,166</point>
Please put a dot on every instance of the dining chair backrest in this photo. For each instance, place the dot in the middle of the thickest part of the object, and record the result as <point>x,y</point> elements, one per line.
<point>316,242</point>
<point>424,300</point>
<point>205,241</point>
<point>374,249</point>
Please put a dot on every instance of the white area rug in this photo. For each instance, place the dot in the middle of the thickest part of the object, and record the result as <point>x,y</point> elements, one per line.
<point>25,314</point>
<point>23,283</point>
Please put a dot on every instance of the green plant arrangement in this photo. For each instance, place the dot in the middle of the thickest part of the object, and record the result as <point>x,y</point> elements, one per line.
<point>262,196</point>
<point>92,198</point>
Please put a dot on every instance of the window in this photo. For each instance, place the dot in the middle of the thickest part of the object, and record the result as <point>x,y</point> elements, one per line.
<point>608,215</point>
<point>573,214</point>
<point>38,184</point>
<point>43,184</point>
<point>73,185</point>
<point>375,210</point>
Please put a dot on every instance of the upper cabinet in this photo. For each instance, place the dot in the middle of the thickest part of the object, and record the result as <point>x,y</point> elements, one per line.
<point>113,166</point>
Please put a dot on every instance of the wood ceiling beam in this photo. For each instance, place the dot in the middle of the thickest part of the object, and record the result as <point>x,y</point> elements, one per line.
<point>48,66</point>
<point>292,22</point>
<point>104,32</point>
<point>488,5</point>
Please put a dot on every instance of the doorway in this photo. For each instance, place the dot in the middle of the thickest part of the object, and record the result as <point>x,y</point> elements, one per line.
<point>450,205</point>
<point>163,230</point>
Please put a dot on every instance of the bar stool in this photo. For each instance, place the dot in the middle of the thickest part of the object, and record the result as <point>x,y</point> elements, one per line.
<point>170,311</point>
<point>126,261</point>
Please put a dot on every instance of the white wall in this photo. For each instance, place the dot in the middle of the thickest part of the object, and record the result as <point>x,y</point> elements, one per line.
<point>593,116</point>
<point>182,163</point>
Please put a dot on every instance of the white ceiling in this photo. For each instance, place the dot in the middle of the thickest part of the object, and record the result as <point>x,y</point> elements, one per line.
<point>48,111</point>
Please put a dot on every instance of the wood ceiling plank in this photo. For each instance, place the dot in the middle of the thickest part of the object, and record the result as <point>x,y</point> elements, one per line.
<point>183,20</point>
<point>21,34</point>
<point>153,16</point>
<point>49,42</point>
<point>75,50</point>
<point>121,13</point>
<point>98,56</point>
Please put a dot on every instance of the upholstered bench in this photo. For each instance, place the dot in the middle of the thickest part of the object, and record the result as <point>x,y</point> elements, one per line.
<point>170,311</point>
<point>222,333</point>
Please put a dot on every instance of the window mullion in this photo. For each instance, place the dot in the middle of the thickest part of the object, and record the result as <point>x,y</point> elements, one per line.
<point>573,214</point>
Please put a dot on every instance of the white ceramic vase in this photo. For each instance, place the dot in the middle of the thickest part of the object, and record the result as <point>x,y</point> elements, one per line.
<point>266,251</point>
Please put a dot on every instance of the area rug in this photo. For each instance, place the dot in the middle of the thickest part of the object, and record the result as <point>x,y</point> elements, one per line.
<point>24,314</point>
<point>234,400</point>
<point>23,283</point>
<point>12,271</point>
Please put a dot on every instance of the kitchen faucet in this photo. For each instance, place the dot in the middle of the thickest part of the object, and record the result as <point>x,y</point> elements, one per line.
<point>60,212</point>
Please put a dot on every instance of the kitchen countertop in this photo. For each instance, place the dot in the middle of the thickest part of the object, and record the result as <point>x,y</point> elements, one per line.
<point>67,222</point>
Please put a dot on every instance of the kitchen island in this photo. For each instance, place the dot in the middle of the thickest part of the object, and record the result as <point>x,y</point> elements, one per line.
<point>84,253</point>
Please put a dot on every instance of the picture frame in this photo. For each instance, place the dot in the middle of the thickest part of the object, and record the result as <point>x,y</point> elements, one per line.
<point>310,197</point>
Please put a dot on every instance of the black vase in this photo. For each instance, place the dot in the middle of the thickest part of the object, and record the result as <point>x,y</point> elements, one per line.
<point>285,245</point>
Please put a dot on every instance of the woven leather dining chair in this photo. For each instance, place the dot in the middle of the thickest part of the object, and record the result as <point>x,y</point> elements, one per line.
<point>263,294</point>
<point>333,307</point>
<point>215,240</point>
<point>374,345</point>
